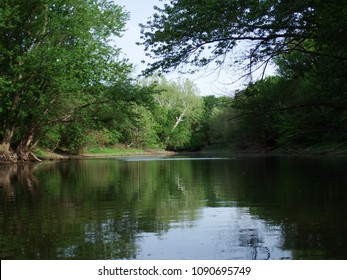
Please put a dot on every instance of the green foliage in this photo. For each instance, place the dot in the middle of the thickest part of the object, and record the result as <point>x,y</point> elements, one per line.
<point>201,32</point>
<point>177,113</point>
<point>116,150</point>
<point>63,86</point>
<point>74,137</point>
<point>305,107</point>
<point>52,139</point>
<point>56,61</point>
<point>219,126</point>
<point>306,104</point>
<point>215,123</point>
<point>139,129</point>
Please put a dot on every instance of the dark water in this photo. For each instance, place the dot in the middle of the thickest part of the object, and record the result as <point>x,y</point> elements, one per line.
<point>238,207</point>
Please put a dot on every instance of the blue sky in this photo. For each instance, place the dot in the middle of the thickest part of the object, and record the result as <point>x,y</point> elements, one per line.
<point>140,11</point>
<point>208,81</point>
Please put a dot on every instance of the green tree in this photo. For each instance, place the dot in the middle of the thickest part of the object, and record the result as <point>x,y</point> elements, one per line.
<point>177,112</point>
<point>315,109</point>
<point>56,61</point>
<point>305,105</point>
<point>215,121</point>
<point>138,128</point>
<point>199,32</point>
<point>122,116</point>
<point>257,112</point>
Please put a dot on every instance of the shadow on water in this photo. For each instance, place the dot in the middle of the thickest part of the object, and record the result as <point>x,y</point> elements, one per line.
<point>237,207</point>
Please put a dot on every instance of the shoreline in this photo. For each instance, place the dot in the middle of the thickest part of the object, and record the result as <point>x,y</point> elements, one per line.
<point>51,156</point>
<point>45,155</point>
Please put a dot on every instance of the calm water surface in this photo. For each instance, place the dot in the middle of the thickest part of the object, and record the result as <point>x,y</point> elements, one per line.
<point>237,207</point>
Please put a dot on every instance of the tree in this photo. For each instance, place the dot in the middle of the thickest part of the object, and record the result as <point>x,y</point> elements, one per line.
<point>56,61</point>
<point>198,32</point>
<point>257,113</point>
<point>215,119</point>
<point>122,116</point>
<point>219,126</point>
<point>138,128</point>
<point>177,111</point>
<point>306,39</point>
<point>305,106</point>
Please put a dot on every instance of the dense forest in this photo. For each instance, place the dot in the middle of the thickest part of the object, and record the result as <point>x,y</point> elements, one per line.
<point>65,87</point>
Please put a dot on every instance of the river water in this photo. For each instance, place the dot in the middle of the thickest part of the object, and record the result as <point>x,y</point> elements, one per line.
<point>229,207</point>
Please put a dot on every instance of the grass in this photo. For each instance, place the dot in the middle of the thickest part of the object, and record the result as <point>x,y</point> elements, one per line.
<point>97,152</point>
<point>47,155</point>
<point>40,153</point>
<point>111,150</point>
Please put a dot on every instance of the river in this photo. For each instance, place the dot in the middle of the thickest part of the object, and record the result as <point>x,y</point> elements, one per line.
<point>231,207</point>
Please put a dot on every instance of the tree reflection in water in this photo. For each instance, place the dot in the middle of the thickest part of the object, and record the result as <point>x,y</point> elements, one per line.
<point>239,208</point>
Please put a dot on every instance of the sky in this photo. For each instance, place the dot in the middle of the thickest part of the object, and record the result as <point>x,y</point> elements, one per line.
<point>221,82</point>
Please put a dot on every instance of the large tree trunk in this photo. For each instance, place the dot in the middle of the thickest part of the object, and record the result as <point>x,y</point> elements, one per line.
<point>6,153</point>
<point>23,152</point>
<point>4,148</point>
<point>25,148</point>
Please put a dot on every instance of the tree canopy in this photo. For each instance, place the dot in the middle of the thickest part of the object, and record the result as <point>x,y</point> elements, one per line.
<point>55,61</point>
<point>198,32</point>
<point>64,86</point>
<point>306,39</point>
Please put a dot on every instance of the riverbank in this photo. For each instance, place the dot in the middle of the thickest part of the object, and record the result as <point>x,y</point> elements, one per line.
<point>100,152</point>
<point>121,151</point>
<point>319,149</point>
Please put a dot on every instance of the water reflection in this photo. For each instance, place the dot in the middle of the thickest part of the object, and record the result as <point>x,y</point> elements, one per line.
<point>219,233</point>
<point>235,208</point>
